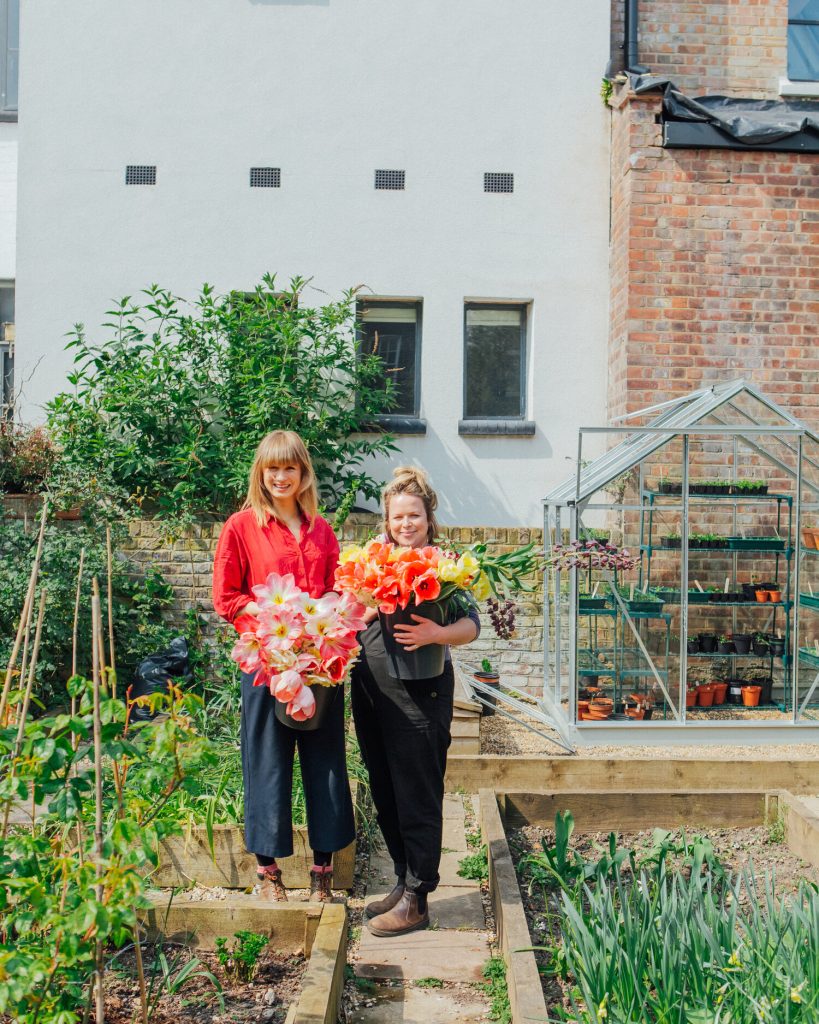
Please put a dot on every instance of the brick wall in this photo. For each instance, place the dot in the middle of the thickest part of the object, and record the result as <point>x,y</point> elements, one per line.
<point>714,272</point>
<point>187,565</point>
<point>733,47</point>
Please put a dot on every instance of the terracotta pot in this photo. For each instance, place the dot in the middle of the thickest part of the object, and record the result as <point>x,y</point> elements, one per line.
<point>775,596</point>
<point>808,539</point>
<point>690,698</point>
<point>637,713</point>
<point>815,533</point>
<point>762,596</point>
<point>705,696</point>
<point>720,692</point>
<point>582,707</point>
<point>750,696</point>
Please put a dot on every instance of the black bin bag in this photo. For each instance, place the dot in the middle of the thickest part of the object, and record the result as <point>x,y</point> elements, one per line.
<point>152,674</point>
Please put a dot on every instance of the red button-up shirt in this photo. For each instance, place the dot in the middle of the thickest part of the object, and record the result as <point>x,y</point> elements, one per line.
<point>247,553</point>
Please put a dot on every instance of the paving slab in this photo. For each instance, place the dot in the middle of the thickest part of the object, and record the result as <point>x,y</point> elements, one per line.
<point>450,862</point>
<point>445,954</point>
<point>453,806</point>
<point>454,837</point>
<point>421,1006</point>
<point>450,907</point>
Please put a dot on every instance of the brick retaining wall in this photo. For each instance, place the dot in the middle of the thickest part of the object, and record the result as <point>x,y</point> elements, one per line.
<point>187,564</point>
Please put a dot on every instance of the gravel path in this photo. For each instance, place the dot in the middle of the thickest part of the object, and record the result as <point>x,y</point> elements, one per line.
<point>500,735</point>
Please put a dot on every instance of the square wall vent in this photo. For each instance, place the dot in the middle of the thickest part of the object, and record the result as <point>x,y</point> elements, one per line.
<point>390,179</point>
<point>498,181</point>
<point>265,177</point>
<point>140,174</point>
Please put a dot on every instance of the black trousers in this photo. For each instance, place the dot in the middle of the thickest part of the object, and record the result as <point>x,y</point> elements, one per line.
<point>403,729</point>
<point>268,748</point>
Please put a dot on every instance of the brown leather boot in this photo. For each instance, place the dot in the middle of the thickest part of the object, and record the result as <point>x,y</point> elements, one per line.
<point>321,886</point>
<point>382,906</point>
<point>404,917</point>
<point>270,886</point>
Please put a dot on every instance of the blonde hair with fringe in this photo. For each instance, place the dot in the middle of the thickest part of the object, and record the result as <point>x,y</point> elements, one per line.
<point>414,481</point>
<point>277,448</point>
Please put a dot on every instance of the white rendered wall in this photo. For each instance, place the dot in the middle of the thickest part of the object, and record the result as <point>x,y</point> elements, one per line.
<point>329,90</point>
<point>8,200</point>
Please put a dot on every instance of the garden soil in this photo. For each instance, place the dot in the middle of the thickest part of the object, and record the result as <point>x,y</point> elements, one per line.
<point>276,985</point>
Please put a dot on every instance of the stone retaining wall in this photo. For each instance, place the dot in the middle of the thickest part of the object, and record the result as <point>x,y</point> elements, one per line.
<point>187,564</point>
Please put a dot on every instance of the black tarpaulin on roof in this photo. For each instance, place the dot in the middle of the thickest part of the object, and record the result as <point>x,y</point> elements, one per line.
<point>751,121</point>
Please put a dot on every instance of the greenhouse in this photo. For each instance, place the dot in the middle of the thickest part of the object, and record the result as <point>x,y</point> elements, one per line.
<point>682,580</point>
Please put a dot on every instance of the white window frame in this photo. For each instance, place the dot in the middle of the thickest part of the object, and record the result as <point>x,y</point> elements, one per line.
<point>7,7</point>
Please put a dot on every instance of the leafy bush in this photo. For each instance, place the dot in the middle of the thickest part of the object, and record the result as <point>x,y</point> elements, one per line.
<point>138,603</point>
<point>27,455</point>
<point>57,901</point>
<point>173,401</point>
<point>240,959</point>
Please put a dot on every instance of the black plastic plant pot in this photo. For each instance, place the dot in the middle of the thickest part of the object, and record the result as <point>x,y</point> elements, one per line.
<point>588,604</point>
<point>767,687</point>
<point>760,648</point>
<point>734,694</point>
<point>671,542</point>
<point>726,647</point>
<point>708,642</point>
<point>742,643</point>
<point>777,647</point>
<point>693,646</point>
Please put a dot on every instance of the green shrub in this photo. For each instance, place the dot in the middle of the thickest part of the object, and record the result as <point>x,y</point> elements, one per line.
<point>171,403</point>
<point>138,602</point>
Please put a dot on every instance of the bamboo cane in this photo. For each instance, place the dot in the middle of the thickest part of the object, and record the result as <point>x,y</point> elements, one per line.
<point>74,632</point>
<point>21,727</point>
<point>12,713</point>
<point>25,616</point>
<point>111,662</point>
<point>96,624</point>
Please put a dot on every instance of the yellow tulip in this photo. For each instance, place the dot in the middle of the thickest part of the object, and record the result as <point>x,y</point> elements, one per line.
<point>350,554</point>
<point>448,570</point>
<point>481,589</point>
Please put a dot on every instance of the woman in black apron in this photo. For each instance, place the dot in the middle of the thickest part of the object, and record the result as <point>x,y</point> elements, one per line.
<point>403,726</point>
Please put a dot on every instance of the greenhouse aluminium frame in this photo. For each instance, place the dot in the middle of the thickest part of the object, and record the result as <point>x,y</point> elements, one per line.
<point>563,510</point>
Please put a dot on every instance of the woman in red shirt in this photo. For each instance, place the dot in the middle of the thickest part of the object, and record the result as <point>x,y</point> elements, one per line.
<point>279,530</point>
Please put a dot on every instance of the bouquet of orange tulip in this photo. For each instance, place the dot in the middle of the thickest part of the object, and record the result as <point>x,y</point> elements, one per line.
<point>297,642</point>
<point>384,576</point>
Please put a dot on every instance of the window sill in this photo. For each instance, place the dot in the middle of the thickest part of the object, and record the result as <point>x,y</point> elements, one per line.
<point>8,116</point>
<point>397,425</point>
<point>496,428</point>
<point>789,88</point>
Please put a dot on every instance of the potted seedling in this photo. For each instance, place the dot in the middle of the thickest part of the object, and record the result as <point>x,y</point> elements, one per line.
<point>672,540</point>
<point>490,677</point>
<point>692,645</point>
<point>760,646</point>
<point>725,645</point>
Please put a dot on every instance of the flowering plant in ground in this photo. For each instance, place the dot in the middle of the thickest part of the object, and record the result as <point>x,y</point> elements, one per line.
<point>298,641</point>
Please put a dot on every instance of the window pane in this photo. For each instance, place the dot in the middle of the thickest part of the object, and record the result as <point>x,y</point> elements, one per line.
<point>803,53</point>
<point>808,9</point>
<point>391,333</point>
<point>9,40</point>
<point>494,361</point>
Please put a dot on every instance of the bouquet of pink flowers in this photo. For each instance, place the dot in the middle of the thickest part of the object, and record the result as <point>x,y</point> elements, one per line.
<point>298,641</point>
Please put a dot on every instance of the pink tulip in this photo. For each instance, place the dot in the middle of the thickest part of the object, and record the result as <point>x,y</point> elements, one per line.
<point>303,705</point>
<point>288,686</point>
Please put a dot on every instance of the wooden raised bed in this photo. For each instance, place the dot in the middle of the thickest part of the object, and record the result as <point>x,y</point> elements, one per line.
<point>801,819</point>
<point>186,859</point>
<point>522,978</point>
<point>562,774</point>
<point>317,930</point>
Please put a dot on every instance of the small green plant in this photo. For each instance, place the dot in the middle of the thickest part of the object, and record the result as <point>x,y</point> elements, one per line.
<point>606,90</point>
<point>240,960</point>
<point>776,829</point>
<point>486,666</point>
<point>494,971</point>
<point>429,983</point>
<point>475,866</point>
<point>473,838</point>
<point>169,977</point>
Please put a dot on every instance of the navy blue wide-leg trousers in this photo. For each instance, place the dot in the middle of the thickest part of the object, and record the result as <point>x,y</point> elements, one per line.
<point>268,749</point>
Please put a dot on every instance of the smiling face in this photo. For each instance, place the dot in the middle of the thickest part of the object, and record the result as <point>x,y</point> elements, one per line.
<point>407,521</point>
<point>282,481</point>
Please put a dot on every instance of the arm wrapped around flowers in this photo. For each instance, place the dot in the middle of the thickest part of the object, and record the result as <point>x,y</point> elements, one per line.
<point>298,641</point>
